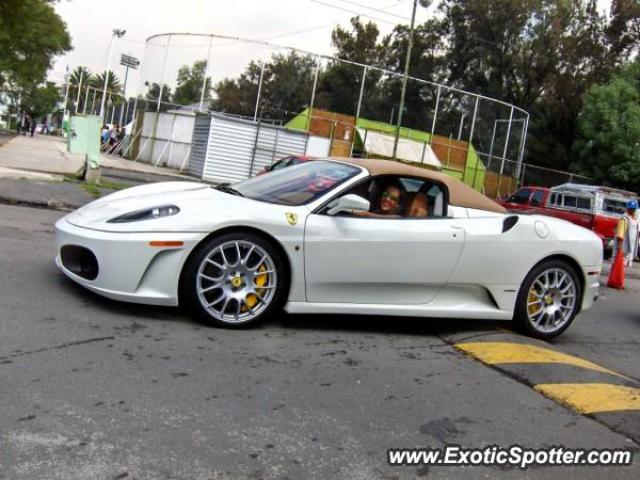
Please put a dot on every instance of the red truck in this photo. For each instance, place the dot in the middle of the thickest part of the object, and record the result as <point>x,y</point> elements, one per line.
<point>592,207</point>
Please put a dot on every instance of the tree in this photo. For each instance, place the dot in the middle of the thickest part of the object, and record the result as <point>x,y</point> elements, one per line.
<point>79,74</point>
<point>190,83</point>
<point>339,87</point>
<point>114,88</point>
<point>238,96</point>
<point>40,100</point>
<point>287,84</point>
<point>623,31</point>
<point>427,63</point>
<point>607,147</point>
<point>286,88</point>
<point>153,92</point>
<point>541,55</point>
<point>31,35</point>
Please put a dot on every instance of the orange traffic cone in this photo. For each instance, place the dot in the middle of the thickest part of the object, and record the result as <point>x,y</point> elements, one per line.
<point>616,276</point>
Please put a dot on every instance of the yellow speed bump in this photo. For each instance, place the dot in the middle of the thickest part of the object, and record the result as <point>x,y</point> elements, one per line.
<point>592,397</point>
<point>506,352</point>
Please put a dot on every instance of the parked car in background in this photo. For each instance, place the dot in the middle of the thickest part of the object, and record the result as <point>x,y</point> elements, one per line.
<point>285,162</point>
<point>594,207</point>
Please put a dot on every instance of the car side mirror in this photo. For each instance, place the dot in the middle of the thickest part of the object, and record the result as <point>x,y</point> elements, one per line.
<point>348,203</point>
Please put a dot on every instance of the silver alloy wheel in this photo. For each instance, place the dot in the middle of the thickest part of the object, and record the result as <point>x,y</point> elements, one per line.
<point>236,281</point>
<point>551,300</point>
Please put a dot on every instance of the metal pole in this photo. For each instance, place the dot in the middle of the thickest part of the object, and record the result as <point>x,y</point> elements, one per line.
<point>473,127</point>
<point>493,138</point>
<point>206,70</point>
<point>93,103</point>
<point>124,92</point>
<point>126,114</point>
<point>255,113</point>
<point>473,121</point>
<point>461,125</point>
<point>435,115</point>
<point>313,94</point>
<point>353,139</point>
<point>364,76</point>
<point>506,143</point>
<point>86,100</point>
<point>164,72</point>
<point>523,140</point>
<point>106,78</point>
<point>405,77</point>
<point>66,96</point>
<point>79,90</point>
<point>157,115</point>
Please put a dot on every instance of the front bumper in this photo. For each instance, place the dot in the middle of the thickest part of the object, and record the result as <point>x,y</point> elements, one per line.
<point>129,268</point>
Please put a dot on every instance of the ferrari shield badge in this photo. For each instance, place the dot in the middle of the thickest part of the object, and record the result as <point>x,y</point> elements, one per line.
<point>292,218</point>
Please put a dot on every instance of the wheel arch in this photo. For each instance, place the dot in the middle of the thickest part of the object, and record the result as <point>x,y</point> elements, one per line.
<point>237,229</point>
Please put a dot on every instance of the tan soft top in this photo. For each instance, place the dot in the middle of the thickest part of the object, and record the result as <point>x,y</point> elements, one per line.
<point>460,194</point>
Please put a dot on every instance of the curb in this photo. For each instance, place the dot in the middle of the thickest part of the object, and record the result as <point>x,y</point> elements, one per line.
<point>47,205</point>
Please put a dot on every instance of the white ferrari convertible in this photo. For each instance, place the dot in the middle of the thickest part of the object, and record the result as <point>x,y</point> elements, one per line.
<point>349,236</point>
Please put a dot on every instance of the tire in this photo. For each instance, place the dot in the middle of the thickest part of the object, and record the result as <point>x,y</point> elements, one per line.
<point>235,280</point>
<point>549,299</point>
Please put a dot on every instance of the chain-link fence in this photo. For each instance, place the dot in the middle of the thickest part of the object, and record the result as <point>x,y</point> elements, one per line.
<point>477,139</point>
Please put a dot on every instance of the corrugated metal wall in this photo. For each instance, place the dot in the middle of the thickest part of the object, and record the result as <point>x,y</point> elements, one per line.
<point>199,143</point>
<point>238,149</point>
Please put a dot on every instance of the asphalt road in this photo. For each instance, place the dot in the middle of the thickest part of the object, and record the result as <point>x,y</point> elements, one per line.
<point>96,389</point>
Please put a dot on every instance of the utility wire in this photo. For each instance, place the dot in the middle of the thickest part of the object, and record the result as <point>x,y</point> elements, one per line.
<point>352,12</point>
<point>380,10</point>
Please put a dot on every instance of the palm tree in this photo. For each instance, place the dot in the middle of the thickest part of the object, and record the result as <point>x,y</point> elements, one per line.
<point>114,88</point>
<point>81,78</point>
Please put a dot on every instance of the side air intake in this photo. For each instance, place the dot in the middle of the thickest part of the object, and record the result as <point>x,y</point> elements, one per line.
<point>509,222</point>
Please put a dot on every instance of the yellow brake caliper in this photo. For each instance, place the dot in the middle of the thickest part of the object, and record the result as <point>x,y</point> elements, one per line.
<point>261,281</point>
<point>532,297</point>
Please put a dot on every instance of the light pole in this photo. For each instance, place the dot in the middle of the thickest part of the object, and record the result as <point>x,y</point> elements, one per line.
<point>116,33</point>
<point>128,62</point>
<point>405,77</point>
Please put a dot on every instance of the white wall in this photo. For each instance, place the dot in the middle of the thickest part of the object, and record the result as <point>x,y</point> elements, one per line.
<point>172,139</point>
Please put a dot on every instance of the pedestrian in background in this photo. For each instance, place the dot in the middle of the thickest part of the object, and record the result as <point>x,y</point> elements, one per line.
<point>104,135</point>
<point>33,127</point>
<point>18,124</point>
<point>627,234</point>
<point>26,125</point>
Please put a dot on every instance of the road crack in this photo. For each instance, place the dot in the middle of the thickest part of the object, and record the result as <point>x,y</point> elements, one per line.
<point>58,347</point>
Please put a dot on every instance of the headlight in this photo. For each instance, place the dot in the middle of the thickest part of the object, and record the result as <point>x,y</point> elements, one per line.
<point>147,214</point>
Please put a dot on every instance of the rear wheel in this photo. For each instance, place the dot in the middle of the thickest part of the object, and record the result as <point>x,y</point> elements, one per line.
<point>235,280</point>
<point>549,299</point>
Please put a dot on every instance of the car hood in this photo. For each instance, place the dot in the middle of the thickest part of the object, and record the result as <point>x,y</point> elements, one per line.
<point>198,204</point>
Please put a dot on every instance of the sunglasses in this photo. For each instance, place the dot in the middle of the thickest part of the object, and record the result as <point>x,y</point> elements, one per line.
<point>395,198</point>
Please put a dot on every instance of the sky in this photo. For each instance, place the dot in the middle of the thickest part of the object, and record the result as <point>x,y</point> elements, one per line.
<point>303,24</point>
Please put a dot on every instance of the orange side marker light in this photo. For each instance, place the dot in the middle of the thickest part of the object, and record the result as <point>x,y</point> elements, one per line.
<point>166,243</point>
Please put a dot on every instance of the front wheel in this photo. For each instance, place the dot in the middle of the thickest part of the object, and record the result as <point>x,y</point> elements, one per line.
<point>549,300</point>
<point>234,280</point>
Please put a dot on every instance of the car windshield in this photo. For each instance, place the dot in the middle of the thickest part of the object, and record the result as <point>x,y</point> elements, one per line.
<point>298,184</point>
